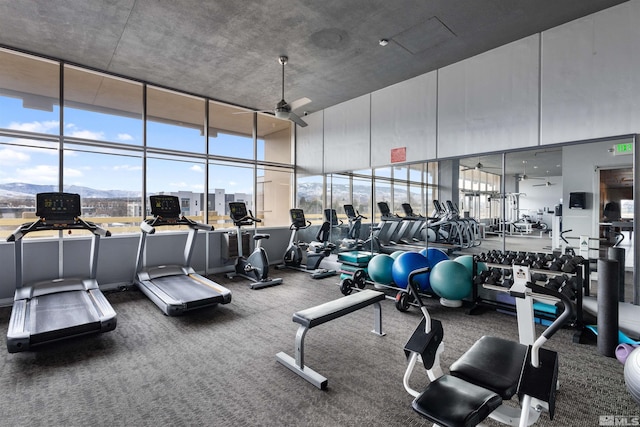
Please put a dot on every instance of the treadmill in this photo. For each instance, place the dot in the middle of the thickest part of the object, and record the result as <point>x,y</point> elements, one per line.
<point>175,289</point>
<point>51,310</point>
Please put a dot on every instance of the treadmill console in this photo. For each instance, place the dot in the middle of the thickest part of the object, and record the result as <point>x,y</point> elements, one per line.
<point>384,208</point>
<point>297,218</point>
<point>165,206</point>
<point>237,210</point>
<point>58,206</point>
<point>350,211</point>
<point>408,210</point>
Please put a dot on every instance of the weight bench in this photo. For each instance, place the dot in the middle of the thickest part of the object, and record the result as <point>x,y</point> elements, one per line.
<point>320,314</point>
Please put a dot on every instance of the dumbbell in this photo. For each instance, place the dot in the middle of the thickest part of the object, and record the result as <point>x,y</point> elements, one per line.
<point>494,276</point>
<point>480,278</point>
<point>572,263</point>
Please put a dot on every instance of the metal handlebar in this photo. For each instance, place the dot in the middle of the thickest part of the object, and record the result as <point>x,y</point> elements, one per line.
<point>568,312</point>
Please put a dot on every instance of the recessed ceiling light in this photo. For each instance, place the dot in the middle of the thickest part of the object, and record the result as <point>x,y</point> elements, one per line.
<point>383,42</point>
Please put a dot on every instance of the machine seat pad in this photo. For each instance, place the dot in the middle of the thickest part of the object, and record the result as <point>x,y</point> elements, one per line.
<point>452,402</point>
<point>492,363</point>
<point>322,313</point>
<point>261,236</point>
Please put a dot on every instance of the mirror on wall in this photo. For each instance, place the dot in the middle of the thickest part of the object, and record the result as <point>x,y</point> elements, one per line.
<point>571,191</point>
<point>478,196</point>
<point>533,194</point>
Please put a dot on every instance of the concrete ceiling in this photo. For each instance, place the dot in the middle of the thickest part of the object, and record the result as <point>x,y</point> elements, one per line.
<point>228,50</point>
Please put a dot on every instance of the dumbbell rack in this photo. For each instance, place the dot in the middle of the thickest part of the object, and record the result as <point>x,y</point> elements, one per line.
<point>582,271</point>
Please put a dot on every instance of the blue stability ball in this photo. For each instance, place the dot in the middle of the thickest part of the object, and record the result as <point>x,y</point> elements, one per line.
<point>450,280</point>
<point>380,269</point>
<point>405,264</point>
<point>396,254</point>
<point>434,255</point>
<point>467,261</point>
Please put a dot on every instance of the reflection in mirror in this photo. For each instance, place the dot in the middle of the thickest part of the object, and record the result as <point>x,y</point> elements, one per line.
<point>533,195</point>
<point>537,202</point>
<point>479,197</point>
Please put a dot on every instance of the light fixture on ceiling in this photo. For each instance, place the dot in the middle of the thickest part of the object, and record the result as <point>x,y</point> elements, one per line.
<point>383,42</point>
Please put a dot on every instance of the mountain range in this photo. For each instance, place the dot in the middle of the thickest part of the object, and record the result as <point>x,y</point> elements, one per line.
<point>21,189</point>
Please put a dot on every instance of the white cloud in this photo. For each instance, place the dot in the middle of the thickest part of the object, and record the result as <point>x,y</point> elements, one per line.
<point>87,134</point>
<point>127,168</point>
<point>181,184</point>
<point>40,127</point>
<point>42,174</point>
<point>125,137</point>
<point>196,168</point>
<point>9,157</point>
<point>72,173</point>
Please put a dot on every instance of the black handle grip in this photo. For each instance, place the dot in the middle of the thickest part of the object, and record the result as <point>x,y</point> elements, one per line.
<point>411,286</point>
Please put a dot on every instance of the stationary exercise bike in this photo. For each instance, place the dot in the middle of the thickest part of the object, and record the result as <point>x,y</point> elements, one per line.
<point>493,370</point>
<point>256,266</point>
<point>315,252</point>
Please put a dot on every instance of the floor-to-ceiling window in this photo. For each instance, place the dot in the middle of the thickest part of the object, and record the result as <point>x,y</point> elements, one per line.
<point>116,141</point>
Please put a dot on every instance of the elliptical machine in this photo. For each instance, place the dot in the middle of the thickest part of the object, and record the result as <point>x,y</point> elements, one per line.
<point>353,241</point>
<point>315,251</point>
<point>256,266</point>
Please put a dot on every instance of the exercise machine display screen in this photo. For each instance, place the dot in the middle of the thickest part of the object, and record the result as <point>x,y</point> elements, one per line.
<point>348,209</point>
<point>384,208</point>
<point>331,216</point>
<point>165,206</point>
<point>408,210</point>
<point>297,218</point>
<point>237,210</point>
<point>60,206</point>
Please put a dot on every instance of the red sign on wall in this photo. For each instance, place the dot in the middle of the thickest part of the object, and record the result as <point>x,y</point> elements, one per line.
<point>398,155</point>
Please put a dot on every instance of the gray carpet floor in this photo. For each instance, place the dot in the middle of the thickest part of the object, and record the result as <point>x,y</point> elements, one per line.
<point>217,367</point>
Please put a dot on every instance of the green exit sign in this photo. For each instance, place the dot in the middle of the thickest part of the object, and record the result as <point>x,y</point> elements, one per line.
<point>621,149</point>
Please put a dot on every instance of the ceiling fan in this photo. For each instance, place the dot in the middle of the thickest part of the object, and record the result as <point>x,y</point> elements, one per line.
<point>524,175</point>
<point>284,110</point>
<point>478,166</point>
<point>546,184</point>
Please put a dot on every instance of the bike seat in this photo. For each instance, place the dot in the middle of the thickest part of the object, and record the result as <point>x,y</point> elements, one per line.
<point>261,236</point>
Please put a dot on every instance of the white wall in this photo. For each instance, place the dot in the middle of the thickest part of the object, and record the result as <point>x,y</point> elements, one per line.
<point>490,102</point>
<point>404,115</point>
<point>347,135</point>
<point>590,79</point>
<point>574,82</point>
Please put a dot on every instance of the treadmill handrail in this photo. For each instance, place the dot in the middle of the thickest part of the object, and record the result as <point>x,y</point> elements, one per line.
<point>149,225</point>
<point>43,225</point>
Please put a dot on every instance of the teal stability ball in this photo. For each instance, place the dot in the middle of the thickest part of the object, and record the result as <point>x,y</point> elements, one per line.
<point>405,264</point>
<point>396,254</point>
<point>379,269</point>
<point>467,261</point>
<point>450,280</point>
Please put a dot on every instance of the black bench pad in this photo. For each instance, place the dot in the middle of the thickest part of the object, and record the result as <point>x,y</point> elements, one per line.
<point>451,402</point>
<point>492,363</point>
<point>322,313</point>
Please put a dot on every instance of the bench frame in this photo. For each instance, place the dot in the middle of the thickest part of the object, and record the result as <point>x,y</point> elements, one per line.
<point>297,364</point>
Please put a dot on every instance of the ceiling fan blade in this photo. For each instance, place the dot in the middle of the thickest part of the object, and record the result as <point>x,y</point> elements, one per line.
<point>299,103</point>
<point>297,120</point>
<point>247,112</point>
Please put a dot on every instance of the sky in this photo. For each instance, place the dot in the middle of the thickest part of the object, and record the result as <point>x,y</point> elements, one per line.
<point>21,162</point>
